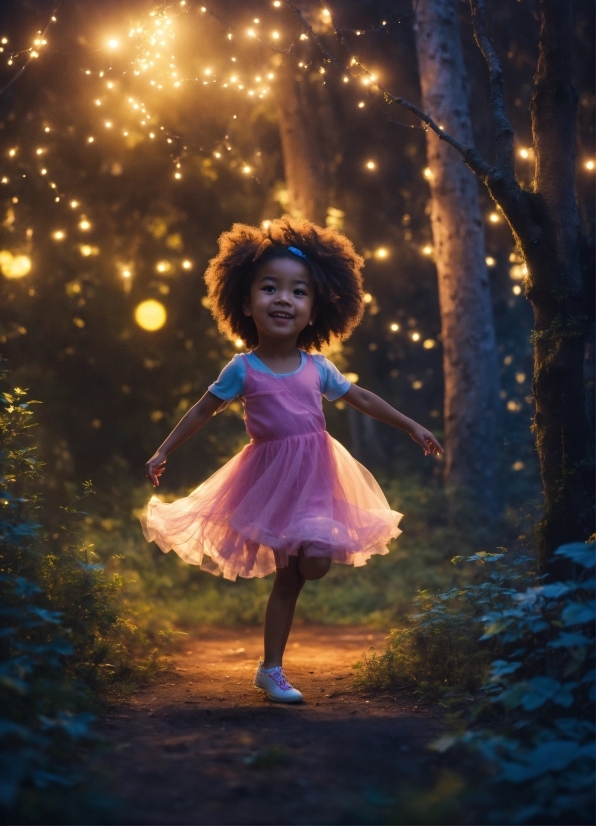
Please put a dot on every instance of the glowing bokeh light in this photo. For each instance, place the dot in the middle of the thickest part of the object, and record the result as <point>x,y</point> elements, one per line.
<point>150,315</point>
<point>14,266</point>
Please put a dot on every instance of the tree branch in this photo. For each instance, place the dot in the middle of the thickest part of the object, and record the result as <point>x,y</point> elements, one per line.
<point>501,123</point>
<point>472,158</point>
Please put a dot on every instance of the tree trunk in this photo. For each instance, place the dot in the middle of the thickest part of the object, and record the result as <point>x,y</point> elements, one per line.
<point>304,164</point>
<point>556,288</point>
<point>468,336</point>
<point>546,226</point>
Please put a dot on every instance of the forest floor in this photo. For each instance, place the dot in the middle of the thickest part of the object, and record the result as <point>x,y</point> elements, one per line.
<point>202,745</point>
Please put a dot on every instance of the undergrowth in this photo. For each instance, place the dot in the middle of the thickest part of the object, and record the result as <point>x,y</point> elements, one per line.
<point>66,641</point>
<point>523,690</point>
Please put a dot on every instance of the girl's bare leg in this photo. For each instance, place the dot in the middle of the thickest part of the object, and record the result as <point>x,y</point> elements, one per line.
<point>282,603</point>
<point>280,611</point>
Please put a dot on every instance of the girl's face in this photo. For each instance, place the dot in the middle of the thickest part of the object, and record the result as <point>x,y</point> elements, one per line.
<point>281,300</point>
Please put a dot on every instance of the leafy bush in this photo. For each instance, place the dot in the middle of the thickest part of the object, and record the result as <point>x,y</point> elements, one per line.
<point>437,652</point>
<point>527,683</point>
<point>540,717</point>
<point>62,635</point>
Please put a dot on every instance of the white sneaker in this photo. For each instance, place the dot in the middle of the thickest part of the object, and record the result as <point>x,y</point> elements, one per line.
<point>274,682</point>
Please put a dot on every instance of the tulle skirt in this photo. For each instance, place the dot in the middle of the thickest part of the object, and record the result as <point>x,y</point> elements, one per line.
<point>272,499</point>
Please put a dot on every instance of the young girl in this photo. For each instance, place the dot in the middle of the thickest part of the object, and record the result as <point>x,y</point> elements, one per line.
<point>293,500</point>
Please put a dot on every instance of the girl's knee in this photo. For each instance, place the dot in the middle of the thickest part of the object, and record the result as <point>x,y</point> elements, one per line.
<point>314,567</point>
<point>288,581</point>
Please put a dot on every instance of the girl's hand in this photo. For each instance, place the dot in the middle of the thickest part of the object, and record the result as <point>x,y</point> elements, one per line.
<point>426,440</point>
<point>155,467</point>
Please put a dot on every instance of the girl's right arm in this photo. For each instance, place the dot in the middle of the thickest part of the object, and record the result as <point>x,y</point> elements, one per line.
<point>198,415</point>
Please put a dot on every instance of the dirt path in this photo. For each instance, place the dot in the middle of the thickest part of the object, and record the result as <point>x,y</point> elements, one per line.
<point>203,746</point>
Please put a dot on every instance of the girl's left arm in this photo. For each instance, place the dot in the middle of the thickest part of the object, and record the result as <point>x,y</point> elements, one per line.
<point>374,406</point>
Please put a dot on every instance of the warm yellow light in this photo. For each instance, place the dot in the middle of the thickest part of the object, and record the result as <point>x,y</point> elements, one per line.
<point>74,204</point>
<point>415,336</point>
<point>490,261</point>
<point>163,266</point>
<point>187,265</point>
<point>239,343</point>
<point>14,266</point>
<point>427,173</point>
<point>394,327</point>
<point>516,290</point>
<point>59,235</point>
<point>87,250</point>
<point>177,175</point>
<point>590,165</point>
<point>277,3</point>
<point>519,465</point>
<point>524,153</point>
<point>429,343</point>
<point>246,169</point>
<point>427,250</point>
<point>326,13</point>
<point>381,253</point>
<point>12,152</point>
<point>266,224</point>
<point>361,105</point>
<point>126,273</point>
<point>84,224</point>
<point>275,35</point>
<point>371,165</point>
<point>150,315</point>
<point>494,217</point>
<point>207,71</point>
<point>90,139</point>
<point>113,43</point>
<point>39,151</point>
<point>367,298</point>
<point>251,33</point>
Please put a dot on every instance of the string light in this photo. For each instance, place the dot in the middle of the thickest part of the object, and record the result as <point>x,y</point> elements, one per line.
<point>84,224</point>
<point>589,165</point>
<point>427,173</point>
<point>187,265</point>
<point>427,250</point>
<point>415,336</point>
<point>490,261</point>
<point>59,235</point>
<point>516,290</point>
<point>371,165</point>
<point>394,327</point>
<point>381,253</point>
<point>494,217</point>
<point>429,343</point>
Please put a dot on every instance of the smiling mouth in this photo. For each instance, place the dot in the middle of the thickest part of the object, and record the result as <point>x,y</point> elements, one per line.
<point>281,315</point>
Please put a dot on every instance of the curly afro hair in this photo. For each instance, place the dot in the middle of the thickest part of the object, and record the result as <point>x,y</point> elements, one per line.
<point>331,259</point>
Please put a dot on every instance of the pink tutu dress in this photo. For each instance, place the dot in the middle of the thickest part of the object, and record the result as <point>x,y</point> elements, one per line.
<point>292,487</point>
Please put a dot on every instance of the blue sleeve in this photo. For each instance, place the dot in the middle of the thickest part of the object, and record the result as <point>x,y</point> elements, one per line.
<point>231,380</point>
<point>333,383</point>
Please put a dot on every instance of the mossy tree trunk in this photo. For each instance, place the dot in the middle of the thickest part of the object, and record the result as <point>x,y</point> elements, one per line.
<point>546,225</point>
<point>467,326</point>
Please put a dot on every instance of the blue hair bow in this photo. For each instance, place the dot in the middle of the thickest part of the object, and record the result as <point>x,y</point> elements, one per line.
<point>297,252</point>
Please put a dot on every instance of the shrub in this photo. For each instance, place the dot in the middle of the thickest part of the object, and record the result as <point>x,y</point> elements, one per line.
<point>437,652</point>
<point>62,635</point>
<point>540,728</point>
